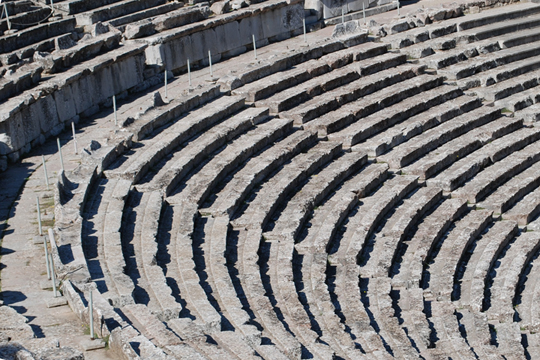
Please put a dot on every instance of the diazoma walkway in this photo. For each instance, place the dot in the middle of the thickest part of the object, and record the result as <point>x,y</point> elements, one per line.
<point>366,196</point>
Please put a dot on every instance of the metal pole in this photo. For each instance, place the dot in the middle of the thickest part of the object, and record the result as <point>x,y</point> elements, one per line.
<point>7,17</point>
<point>398,12</point>
<point>53,277</point>
<point>189,72</point>
<point>254,45</point>
<point>52,6</point>
<point>210,61</point>
<point>45,169</point>
<point>114,108</point>
<point>364,12</point>
<point>39,217</point>
<point>342,15</point>
<point>166,75</point>
<point>60,152</point>
<point>47,257</point>
<point>91,304</point>
<point>74,137</point>
<point>304,23</point>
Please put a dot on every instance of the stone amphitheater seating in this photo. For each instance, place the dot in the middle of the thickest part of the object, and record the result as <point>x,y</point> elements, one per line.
<point>336,201</point>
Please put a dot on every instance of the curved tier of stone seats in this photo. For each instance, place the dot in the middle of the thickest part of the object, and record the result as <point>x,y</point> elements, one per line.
<point>243,226</point>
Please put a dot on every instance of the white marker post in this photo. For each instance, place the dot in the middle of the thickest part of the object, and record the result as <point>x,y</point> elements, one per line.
<point>114,109</point>
<point>166,75</point>
<point>52,6</point>
<point>304,24</point>
<point>254,45</point>
<point>39,217</point>
<point>74,137</point>
<point>189,72</point>
<point>53,275</point>
<point>210,62</point>
<point>364,12</point>
<point>47,258</point>
<point>45,170</point>
<point>342,15</point>
<point>60,152</point>
<point>398,12</point>
<point>7,16</point>
<point>91,308</point>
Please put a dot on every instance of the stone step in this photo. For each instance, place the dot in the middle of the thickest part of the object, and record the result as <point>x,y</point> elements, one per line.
<point>249,242</point>
<point>327,219</point>
<point>29,36</point>
<point>509,87</point>
<point>466,168</point>
<point>292,218</point>
<point>421,245</point>
<point>416,124</point>
<point>492,177</point>
<point>344,125</point>
<point>77,6</point>
<point>304,91</point>
<point>176,18</point>
<point>199,186</point>
<point>499,74</point>
<point>526,209</point>
<point>496,15</point>
<point>530,114</point>
<point>509,340</point>
<point>445,155</point>
<point>453,248</point>
<point>510,193</point>
<point>121,22</point>
<point>520,100</point>
<point>528,298</point>
<point>489,61</point>
<point>332,100</point>
<point>156,148</point>
<point>275,190</point>
<point>377,291</point>
<point>406,153</point>
<point>484,255</point>
<point>145,247</point>
<point>478,333</point>
<point>223,290</point>
<point>149,325</point>
<point>445,324</point>
<point>513,262</point>
<point>373,210</point>
<point>117,9</point>
<point>26,77</point>
<point>455,55</point>
<point>282,284</point>
<point>320,304</point>
<point>411,303</point>
<point>256,169</point>
<point>192,154</point>
<point>383,247</point>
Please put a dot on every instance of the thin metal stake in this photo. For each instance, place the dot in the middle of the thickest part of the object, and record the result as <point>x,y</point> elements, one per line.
<point>398,12</point>
<point>304,23</point>
<point>114,107</point>
<point>45,169</point>
<point>364,12</point>
<point>7,17</point>
<point>189,72</point>
<point>74,137</point>
<point>166,75</point>
<point>254,45</point>
<point>39,217</point>
<point>91,304</point>
<point>49,267</point>
<point>342,15</point>
<point>52,6</point>
<point>53,277</point>
<point>210,61</point>
<point>60,152</point>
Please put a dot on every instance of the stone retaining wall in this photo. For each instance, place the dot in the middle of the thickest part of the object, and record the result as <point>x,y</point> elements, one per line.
<point>225,35</point>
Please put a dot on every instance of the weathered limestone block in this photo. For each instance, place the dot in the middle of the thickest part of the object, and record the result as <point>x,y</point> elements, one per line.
<point>224,35</point>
